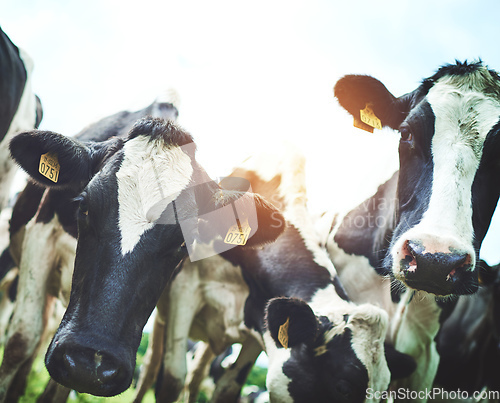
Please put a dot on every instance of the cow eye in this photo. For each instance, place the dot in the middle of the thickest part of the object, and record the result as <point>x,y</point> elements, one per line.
<point>406,135</point>
<point>83,207</point>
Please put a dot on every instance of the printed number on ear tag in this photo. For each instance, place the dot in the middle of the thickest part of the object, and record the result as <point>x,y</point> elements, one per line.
<point>368,117</point>
<point>49,166</point>
<point>238,234</point>
<point>283,333</point>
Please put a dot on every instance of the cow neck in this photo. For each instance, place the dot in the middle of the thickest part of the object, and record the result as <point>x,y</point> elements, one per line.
<point>283,268</point>
<point>366,230</point>
<point>14,72</point>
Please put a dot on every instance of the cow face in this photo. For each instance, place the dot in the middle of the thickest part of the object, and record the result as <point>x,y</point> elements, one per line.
<point>449,158</point>
<point>333,357</point>
<point>145,203</point>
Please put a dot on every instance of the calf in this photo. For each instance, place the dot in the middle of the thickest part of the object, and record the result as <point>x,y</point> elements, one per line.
<point>425,225</point>
<point>145,203</point>
<point>20,108</point>
<point>43,234</point>
<point>334,349</point>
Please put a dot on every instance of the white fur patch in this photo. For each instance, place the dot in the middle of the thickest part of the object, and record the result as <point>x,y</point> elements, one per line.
<point>369,325</point>
<point>276,381</point>
<point>151,174</point>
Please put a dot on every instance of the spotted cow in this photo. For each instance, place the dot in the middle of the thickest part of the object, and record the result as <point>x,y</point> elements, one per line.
<point>43,233</point>
<point>20,108</point>
<point>333,349</point>
<point>424,226</point>
<point>146,204</point>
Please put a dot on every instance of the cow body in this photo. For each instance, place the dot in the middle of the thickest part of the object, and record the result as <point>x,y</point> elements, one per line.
<point>468,340</point>
<point>20,108</point>
<point>336,348</point>
<point>43,233</point>
<point>145,203</point>
<point>424,226</point>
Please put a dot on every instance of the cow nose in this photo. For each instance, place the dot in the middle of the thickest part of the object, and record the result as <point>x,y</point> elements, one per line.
<point>437,272</point>
<point>89,371</point>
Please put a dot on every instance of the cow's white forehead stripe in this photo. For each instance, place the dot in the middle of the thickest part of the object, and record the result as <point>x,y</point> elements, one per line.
<point>151,174</point>
<point>463,119</point>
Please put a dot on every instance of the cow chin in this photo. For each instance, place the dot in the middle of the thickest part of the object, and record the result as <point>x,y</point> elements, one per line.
<point>106,371</point>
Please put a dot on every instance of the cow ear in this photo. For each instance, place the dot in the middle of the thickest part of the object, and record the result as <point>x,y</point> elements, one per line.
<point>264,220</point>
<point>291,322</point>
<point>54,160</point>
<point>400,364</point>
<point>270,223</point>
<point>356,92</point>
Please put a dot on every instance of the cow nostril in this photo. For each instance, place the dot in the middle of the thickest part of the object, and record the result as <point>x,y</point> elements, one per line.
<point>410,250</point>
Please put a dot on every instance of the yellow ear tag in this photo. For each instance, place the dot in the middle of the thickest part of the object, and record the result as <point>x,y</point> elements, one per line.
<point>283,333</point>
<point>368,117</point>
<point>238,234</point>
<point>49,166</point>
<point>363,126</point>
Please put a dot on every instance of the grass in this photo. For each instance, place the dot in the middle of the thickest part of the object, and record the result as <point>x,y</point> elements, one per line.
<point>39,377</point>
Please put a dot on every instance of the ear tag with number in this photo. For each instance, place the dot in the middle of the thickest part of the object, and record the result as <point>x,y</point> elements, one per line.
<point>238,234</point>
<point>49,166</point>
<point>283,333</point>
<point>368,117</point>
<point>363,126</point>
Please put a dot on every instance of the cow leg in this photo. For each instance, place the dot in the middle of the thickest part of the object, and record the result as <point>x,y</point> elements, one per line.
<point>199,371</point>
<point>27,322</point>
<point>228,388</point>
<point>54,393</point>
<point>414,329</point>
<point>152,359</point>
<point>184,302</point>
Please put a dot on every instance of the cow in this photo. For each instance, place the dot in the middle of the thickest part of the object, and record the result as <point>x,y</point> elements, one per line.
<point>146,204</point>
<point>333,349</point>
<point>468,342</point>
<point>43,233</point>
<point>423,227</point>
<point>20,108</point>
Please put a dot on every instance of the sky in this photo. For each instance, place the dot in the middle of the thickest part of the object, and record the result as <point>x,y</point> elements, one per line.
<point>251,74</point>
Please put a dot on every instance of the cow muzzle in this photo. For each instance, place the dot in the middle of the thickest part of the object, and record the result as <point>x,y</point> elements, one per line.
<point>87,370</point>
<point>440,268</point>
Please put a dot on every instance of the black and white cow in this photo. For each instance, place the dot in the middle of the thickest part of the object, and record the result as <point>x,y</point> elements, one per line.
<point>20,108</point>
<point>43,233</point>
<point>335,349</point>
<point>425,225</point>
<point>468,342</point>
<point>146,202</point>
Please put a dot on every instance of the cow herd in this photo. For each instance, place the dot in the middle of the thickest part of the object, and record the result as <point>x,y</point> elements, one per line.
<point>122,218</point>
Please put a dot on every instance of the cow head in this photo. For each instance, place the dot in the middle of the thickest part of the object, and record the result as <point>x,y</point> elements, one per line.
<point>334,357</point>
<point>448,184</point>
<point>145,203</point>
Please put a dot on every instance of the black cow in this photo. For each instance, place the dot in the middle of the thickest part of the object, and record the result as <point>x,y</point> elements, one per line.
<point>20,108</point>
<point>469,339</point>
<point>146,202</point>
<point>425,225</point>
